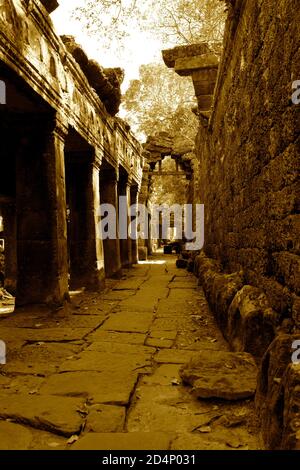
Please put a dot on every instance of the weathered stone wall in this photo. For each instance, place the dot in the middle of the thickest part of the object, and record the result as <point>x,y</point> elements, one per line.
<point>249,162</point>
<point>249,154</point>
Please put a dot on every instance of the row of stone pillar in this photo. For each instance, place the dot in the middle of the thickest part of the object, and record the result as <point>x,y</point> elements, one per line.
<point>52,231</point>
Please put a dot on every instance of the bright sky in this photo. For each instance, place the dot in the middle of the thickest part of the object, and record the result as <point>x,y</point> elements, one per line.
<point>139,48</point>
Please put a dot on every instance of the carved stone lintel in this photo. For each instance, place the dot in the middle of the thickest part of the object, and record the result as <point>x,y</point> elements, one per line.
<point>98,158</point>
<point>60,128</point>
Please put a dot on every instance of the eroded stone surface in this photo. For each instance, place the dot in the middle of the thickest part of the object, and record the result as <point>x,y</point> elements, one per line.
<point>117,337</point>
<point>60,415</point>
<point>110,386</point>
<point>173,356</point>
<point>106,361</point>
<point>231,376</point>
<point>129,322</point>
<point>105,419</point>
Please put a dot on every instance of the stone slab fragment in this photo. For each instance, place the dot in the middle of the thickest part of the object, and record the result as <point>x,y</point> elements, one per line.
<point>138,304</point>
<point>171,323</point>
<point>129,322</point>
<point>118,337</point>
<point>105,419</point>
<point>159,343</point>
<point>121,348</point>
<point>101,387</point>
<point>45,334</point>
<point>165,374</point>
<point>220,374</point>
<point>40,358</point>
<point>106,362</point>
<point>173,356</point>
<point>166,408</point>
<point>129,284</point>
<point>56,414</point>
<point>163,334</point>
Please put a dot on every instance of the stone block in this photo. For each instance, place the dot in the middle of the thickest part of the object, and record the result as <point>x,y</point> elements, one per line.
<point>185,66</point>
<point>269,399</point>
<point>226,375</point>
<point>251,321</point>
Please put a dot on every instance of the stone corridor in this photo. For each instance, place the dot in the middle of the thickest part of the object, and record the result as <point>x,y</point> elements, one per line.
<point>103,373</point>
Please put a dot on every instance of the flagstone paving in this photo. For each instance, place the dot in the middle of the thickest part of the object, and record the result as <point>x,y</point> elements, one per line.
<point>104,372</point>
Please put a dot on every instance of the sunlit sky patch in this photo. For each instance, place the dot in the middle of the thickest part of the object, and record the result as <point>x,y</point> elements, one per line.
<point>138,48</point>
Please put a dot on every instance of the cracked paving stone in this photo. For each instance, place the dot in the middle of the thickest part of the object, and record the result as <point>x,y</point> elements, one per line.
<point>163,334</point>
<point>56,321</point>
<point>129,284</point>
<point>162,408</point>
<point>157,292</point>
<point>119,295</point>
<point>121,348</point>
<point>111,386</point>
<point>174,306</point>
<point>181,285</point>
<point>165,374</point>
<point>174,356</point>
<point>106,361</point>
<point>59,415</point>
<point>172,323</point>
<point>129,322</point>
<point>105,419</point>
<point>124,441</point>
<point>139,304</point>
<point>117,337</point>
<point>25,384</point>
<point>40,358</point>
<point>45,334</point>
<point>159,343</point>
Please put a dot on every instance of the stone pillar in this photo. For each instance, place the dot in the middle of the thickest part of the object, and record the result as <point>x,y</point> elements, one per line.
<point>8,210</point>
<point>134,242</point>
<point>41,216</point>
<point>86,248</point>
<point>125,241</point>
<point>109,195</point>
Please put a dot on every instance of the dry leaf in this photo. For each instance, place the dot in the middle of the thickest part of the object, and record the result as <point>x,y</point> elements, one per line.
<point>73,439</point>
<point>176,382</point>
<point>205,429</point>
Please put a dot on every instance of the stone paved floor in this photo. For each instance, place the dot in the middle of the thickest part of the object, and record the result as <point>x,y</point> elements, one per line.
<point>103,374</point>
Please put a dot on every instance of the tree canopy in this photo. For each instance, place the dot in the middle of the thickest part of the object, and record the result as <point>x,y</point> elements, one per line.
<point>175,21</point>
<point>160,101</point>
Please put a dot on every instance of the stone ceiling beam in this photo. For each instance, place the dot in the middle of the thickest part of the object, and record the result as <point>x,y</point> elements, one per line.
<point>199,62</point>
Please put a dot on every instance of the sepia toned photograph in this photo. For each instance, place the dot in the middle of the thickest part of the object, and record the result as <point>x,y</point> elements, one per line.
<point>149,230</point>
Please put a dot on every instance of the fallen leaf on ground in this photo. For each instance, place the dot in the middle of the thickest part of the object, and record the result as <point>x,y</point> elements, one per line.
<point>205,429</point>
<point>176,382</point>
<point>72,439</point>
